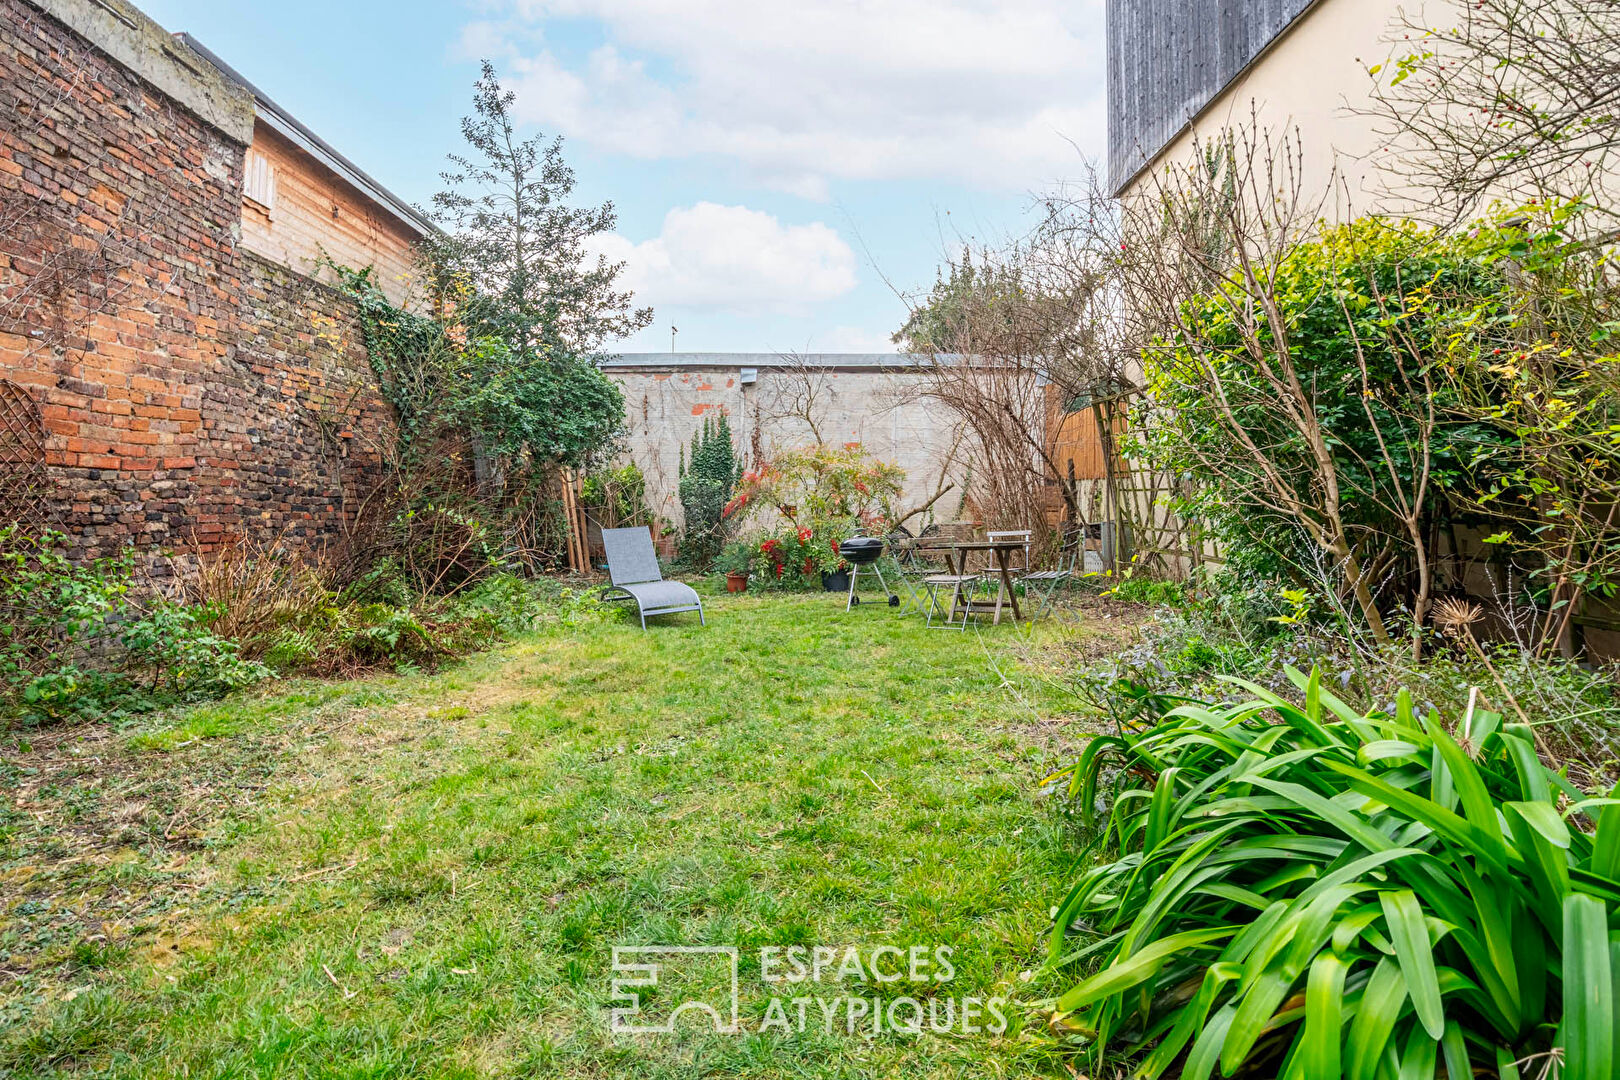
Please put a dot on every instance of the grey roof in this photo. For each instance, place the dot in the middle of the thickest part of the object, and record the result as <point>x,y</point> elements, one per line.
<point>289,127</point>
<point>828,361</point>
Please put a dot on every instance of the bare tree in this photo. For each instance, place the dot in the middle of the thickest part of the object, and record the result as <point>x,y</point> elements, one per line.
<point>1013,337</point>
<point>1513,100</point>
<point>798,394</point>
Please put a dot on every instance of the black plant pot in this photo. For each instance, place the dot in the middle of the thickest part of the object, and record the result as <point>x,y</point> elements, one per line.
<point>837,581</point>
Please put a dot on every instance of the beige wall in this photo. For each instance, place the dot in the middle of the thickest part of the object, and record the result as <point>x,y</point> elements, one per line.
<point>1313,78</point>
<point>665,406</point>
<point>314,211</point>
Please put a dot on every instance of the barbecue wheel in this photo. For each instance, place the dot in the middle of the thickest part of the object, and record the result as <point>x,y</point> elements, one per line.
<point>854,601</point>
<point>894,601</point>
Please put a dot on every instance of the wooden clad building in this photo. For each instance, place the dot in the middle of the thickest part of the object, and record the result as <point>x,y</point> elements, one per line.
<point>172,371</point>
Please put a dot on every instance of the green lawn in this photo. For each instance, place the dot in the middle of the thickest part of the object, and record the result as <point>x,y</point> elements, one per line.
<point>426,875</point>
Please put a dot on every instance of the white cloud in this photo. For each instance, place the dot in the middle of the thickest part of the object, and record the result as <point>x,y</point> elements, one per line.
<point>482,41</point>
<point>984,91</point>
<point>735,259</point>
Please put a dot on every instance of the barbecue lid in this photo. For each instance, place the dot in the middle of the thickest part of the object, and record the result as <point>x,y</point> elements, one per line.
<point>861,550</point>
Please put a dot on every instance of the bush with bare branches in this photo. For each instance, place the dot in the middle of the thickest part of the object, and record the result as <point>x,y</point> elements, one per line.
<point>1010,334</point>
<point>1293,369</point>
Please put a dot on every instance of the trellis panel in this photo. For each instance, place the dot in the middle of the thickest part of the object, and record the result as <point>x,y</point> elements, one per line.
<point>23,480</point>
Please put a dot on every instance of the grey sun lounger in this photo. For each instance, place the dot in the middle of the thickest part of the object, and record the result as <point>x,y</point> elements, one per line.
<point>633,570</point>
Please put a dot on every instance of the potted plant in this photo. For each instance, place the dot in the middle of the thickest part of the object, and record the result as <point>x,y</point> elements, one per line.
<point>792,557</point>
<point>733,562</point>
<point>834,572</point>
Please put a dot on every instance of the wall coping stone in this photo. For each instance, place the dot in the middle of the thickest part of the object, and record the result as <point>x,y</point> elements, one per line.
<point>130,37</point>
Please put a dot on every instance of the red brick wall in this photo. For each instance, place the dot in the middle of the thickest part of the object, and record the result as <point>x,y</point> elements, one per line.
<point>295,426</point>
<point>186,387</point>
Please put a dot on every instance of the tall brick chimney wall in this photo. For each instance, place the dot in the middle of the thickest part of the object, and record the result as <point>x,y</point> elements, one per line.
<point>187,391</point>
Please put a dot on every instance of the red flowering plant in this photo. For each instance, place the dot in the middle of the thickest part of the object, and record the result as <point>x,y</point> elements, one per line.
<point>820,496</point>
<point>746,493</point>
<point>793,557</point>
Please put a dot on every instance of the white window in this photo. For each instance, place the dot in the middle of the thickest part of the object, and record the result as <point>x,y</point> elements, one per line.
<point>259,181</point>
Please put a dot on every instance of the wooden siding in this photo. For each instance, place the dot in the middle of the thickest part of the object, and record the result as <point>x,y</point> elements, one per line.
<point>315,211</point>
<point>1076,448</point>
<point>1168,59</point>
<point>1077,445</point>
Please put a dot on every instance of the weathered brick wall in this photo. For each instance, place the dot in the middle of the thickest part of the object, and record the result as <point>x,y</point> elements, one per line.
<point>118,274</point>
<point>187,389</point>
<point>295,428</point>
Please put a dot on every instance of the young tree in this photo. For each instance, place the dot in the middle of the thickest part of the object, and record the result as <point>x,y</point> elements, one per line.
<point>797,396</point>
<point>967,295</point>
<point>708,478</point>
<point>500,358</point>
<point>1009,332</point>
<point>514,252</point>
<point>1541,398</point>
<point>1290,367</point>
<point>512,270</point>
<point>1510,110</point>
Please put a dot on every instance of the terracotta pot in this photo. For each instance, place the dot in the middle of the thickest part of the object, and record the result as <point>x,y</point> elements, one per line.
<point>736,583</point>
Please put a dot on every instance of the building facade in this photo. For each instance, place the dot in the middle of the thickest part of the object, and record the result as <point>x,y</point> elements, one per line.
<point>171,369</point>
<point>304,203</point>
<point>1183,73</point>
<point>1184,70</point>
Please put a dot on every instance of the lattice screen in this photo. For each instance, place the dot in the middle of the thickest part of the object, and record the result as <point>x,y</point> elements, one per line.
<point>23,480</point>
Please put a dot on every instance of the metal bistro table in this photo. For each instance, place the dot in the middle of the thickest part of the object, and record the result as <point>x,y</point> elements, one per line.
<point>1001,552</point>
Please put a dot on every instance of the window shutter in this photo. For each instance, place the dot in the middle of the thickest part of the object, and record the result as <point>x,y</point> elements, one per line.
<point>259,181</point>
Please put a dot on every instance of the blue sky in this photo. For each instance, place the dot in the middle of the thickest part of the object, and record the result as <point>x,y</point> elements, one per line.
<point>779,168</point>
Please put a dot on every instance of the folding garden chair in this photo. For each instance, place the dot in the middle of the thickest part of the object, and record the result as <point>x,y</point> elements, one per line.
<point>1018,562</point>
<point>954,576</point>
<point>1043,584</point>
<point>1026,537</point>
<point>955,583</point>
<point>900,547</point>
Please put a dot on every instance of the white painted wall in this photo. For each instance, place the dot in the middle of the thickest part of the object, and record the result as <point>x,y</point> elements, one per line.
<point>666,404</point>
<point>1314,78</point>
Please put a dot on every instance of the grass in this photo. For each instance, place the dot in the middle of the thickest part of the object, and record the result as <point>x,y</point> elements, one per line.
<point>426,875</point>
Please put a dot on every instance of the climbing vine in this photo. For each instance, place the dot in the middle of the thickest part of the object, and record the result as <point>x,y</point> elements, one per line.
<point>552,407</point>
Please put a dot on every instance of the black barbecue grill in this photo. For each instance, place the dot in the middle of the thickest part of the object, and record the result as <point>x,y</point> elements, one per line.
<point>861,550</point>
<point>864,551</point>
